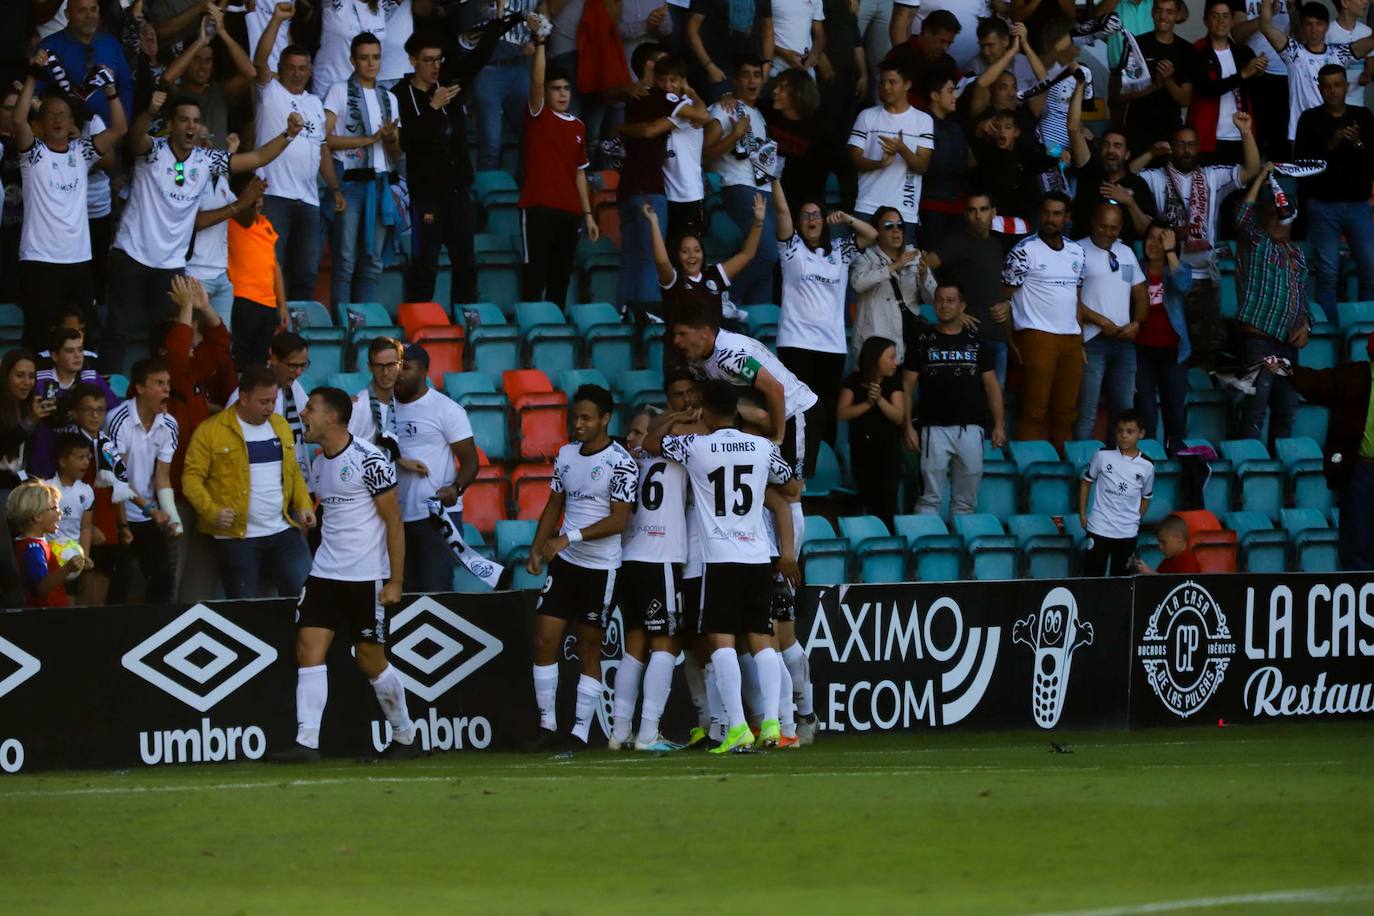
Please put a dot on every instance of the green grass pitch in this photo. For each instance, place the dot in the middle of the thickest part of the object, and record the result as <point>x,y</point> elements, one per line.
<point>1275,819</point>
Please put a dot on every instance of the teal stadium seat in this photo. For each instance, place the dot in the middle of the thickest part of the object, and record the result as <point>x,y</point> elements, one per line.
<point>608,343</point>
<point>1046,551</point>
<point>1050,485</point>
<point>992,550</point>
<point>550,342</point>
<point>487,411</point>
<point>880,556</point>
<point>1303,465</point>
<point>1316,547</point>
<point>937,555</point>
<point>824,557</point>
<point>1261,477</point>
<point>1263,549</point>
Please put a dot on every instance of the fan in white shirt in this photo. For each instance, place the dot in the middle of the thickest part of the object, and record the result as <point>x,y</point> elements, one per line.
<point>594,490</point>
<point>798,34</point>
<point>1306,51</point>
<point>890,146</point>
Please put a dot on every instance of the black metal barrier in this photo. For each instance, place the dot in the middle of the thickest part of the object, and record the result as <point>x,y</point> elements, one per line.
<point>135,686</point>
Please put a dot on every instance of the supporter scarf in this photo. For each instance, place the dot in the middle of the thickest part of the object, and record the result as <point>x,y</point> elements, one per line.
<point>99,77</point>
<point>293,420</point>
<point>1135,70</point>
<point>359,124</point>
<point>1192,217</point>
<point>488,571</point>
<point>57,73</point>
<point>386,438</point>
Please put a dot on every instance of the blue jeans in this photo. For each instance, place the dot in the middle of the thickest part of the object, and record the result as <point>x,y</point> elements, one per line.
<point>754,284</point>
<point>499,89</point>
<point>356,271</point>
<point>1326,222</point>
<point>998,349</point>
<point>1357,519</point>
<point>221,295</point>
<point>1110,370</point>
<point>298,243</point>
<point>282,556</point>
<point>1272,394</point>
<point>638,276</point>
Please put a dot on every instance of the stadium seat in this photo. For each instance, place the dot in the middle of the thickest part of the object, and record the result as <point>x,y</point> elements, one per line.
<point>486,500</point>
<point>651,344</point>
<point>541,413</point>
<point>445,347</point>
<point>1046,550</point>
<point>1168,477</point>
<point>1311,422</point>
<point>1356,319</point>
<point>1262,548</point>
<point>119,384</point>
<point>326,349</point>
<point>569,380</point>
<point>1205,414</point>
<point>550,342</point>
<point>486,182</point>
<point>457,384</point>
<point>1147,549</point>
<point>608,343</point>
<point>1214,547</point>
<point>1217,491</point>
<point>1323,351</point>
<point>1302,463</point>
<point>11,315</point>
<point>513,540</point>
<point>992,550</point>
<point>355,315</point>
<point>503,213</point>
<point>880,556</point>
<point>828,479</point>
<point>1316,547</point>
<point>531,488</point>
<point>1079,453</point>
<point>415,315</point>
<point>494,344</point>
<point>997,492</point>
<point>1049,483</point>
<point>362,338</point>
<point>601,276</point>
<point>937,555</point>
<point>640,386</point>
<point>1261,477</point>
<point>762,319</point>
<point>350,382</point>
<point>824,557</point>
<point>487,409</point>
<point>465,582</point>
<point>498,280</point>
<point>307,313</point>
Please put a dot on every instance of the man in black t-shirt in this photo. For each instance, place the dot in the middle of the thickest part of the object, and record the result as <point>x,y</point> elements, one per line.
<point>971,258</point>
<point>1337,200</point>
<point>958,391</point>
<point>1153,112</point>
<point>1104,178</point>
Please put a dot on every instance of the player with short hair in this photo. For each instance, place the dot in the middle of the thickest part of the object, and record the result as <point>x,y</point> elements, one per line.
<point>653,550</point>
<point>355,576</point>
<point>594,490</point>
<point>730,472</point>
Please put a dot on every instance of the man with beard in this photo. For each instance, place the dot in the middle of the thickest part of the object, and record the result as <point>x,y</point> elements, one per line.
<point>1041,281</point>
<point>1188,196</point>
<point>1104,178</point>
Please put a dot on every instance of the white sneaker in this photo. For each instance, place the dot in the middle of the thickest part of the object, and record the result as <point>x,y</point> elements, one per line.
<point>807,728</point>
<point>614,745</point>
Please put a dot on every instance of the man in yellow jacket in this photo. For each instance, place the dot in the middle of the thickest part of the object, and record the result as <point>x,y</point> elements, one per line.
<point>242,477</point>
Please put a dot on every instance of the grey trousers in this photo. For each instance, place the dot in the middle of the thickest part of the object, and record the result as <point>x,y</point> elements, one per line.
<point>951,457</point>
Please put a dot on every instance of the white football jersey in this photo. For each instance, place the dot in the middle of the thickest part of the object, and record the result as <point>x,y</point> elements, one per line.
<point>1119,484</point>
<point>657,532</point>
<point>730,471</point>
<point>353,535</point>
<point>737,359</point>
<point>590,483</point>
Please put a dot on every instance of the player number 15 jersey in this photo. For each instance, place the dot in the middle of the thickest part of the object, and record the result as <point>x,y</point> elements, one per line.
<point>730,471</point>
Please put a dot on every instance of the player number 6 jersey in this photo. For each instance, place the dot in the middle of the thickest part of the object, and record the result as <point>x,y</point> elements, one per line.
<point>657,532</point>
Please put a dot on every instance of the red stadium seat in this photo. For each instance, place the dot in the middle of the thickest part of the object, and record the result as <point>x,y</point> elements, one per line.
<point>485,501</point>
<point>540,413</point>
<point>445,348</point>
<point>531,482</point>
<point>415,315</point>
<point>1214,546</point>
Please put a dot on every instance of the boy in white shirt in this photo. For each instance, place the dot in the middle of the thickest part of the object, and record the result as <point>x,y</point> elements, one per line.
<point>890,146</point>
<point>1122,481</point>
<point>73,459</point>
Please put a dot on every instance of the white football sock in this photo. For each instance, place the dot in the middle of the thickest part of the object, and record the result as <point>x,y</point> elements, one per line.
<point>749,688</point>
<point>787,718</point>
<point>696,686</point>
<point>798,528</point>
<point>766,661</point>
<point>726,663</point>
<point>658,681</point>
<point>391,693</point>
<point>546,695</point>
<point>312,691</point>
<point>713,703</point>
<point>794,657</point>
<point>626,695</point>
<point>588,695</point>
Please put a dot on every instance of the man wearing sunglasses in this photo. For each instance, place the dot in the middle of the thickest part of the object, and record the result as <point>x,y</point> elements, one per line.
<point>159,220</point>
<point>1115,302</point>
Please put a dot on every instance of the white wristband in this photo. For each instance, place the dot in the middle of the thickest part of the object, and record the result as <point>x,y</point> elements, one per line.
<point>167,503</point>
<point>574,536</point>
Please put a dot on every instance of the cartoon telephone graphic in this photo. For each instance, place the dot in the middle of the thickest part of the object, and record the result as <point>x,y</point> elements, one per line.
<point>1053,635</point>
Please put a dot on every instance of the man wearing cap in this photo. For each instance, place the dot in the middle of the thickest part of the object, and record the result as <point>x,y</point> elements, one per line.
<point>1348,389</point>
<point>432,431</point>
<point>1271,279</point>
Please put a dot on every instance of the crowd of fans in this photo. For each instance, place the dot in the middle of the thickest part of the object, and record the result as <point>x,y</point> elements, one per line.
<point>1059,187</point>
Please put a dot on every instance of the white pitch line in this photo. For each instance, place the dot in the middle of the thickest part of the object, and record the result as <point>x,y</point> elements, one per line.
<point>609,774</point>
<point>1346,894</point>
